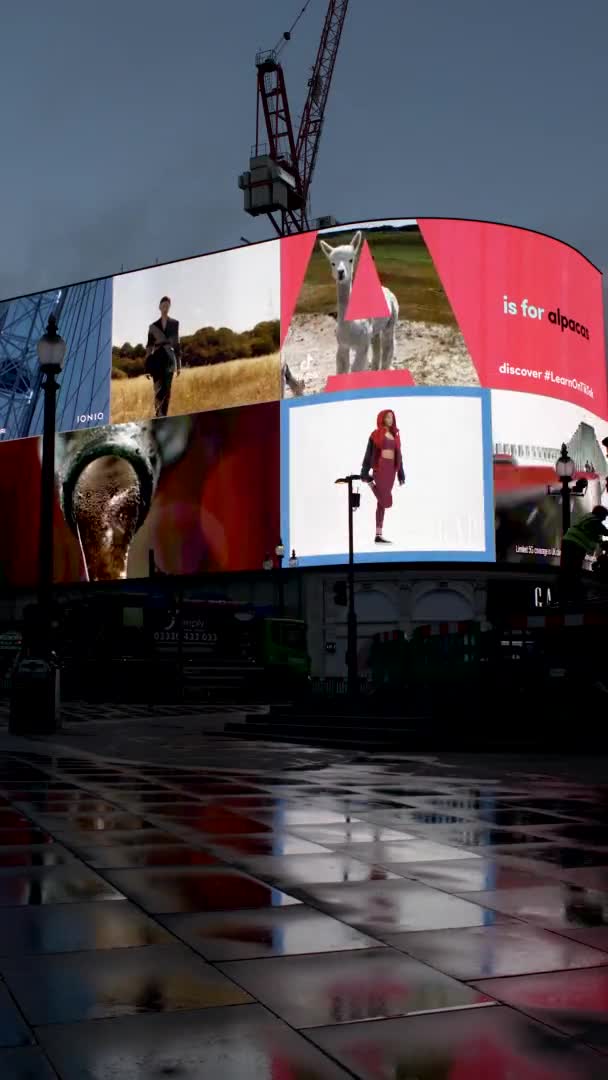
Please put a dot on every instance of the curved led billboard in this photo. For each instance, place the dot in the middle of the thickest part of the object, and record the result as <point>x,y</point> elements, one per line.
<point>208,406</point>
<point>391,309</point>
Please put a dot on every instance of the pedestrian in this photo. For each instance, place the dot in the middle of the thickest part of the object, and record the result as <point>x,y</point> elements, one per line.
<point>384,457</point>
<point>580,540</point>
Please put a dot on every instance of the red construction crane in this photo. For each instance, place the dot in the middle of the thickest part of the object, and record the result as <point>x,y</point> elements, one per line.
<point>282,163</point>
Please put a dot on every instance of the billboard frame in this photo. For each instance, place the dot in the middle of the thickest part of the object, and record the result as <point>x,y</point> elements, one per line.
<point>488,555</point>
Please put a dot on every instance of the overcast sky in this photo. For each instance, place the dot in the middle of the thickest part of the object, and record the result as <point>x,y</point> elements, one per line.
<point>125,125</point>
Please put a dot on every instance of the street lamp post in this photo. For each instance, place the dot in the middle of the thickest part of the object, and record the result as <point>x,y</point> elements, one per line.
<point>293,565</point>
<point>280,554</point>
<point>51,356</point>
<point>35,682</point>
<point>565,469</point>
<point>352,667</point>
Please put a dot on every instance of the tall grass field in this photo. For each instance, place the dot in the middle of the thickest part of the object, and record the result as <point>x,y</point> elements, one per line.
<point>201,389</point>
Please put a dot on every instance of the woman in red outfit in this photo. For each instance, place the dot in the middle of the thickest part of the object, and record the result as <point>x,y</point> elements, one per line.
<point>385,460</point>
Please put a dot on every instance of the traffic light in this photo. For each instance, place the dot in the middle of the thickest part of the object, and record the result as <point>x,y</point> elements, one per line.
<point>340,594</point>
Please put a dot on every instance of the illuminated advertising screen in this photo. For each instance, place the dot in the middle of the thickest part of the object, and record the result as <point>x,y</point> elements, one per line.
<point>191,494</point>
<point>84,315</point>
<point>438,302</point>
<point>428,488</point>
<point>441,303</point>
<point>197,335</point>
<point>527,439</point>
<point>208,406</point>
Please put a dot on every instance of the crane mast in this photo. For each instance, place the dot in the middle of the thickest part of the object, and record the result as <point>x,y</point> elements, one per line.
<point>282,163</point>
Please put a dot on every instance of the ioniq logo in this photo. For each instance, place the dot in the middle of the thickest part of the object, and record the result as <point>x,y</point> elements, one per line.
<point>89,418</point>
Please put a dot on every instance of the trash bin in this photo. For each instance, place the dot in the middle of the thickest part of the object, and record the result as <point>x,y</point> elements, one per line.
<point>35,708</point>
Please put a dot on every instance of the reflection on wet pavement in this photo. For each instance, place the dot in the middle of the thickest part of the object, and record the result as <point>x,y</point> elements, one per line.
<point>57,885</point>
<point>36,855</point>
<point>275,931</point>
<point>25,1063</point>
<point>266,844</point>
<point>23,835</point>
<point>501,948</point>
<point>411,850</point>
<point>13,1029</point>
<point>470,1044</point>
<point>95,822</point>
<point>552,860</point>
<point>77,927</point>
<point>467,875</point>
<point>236,1043</point>
<point>558,905</point>
<point>119,838</point>
<point>297,871</point>
<point>576,1005</point>
<point>83,986</point>
<point>400,918</point>
<point>354,833</point>
<point>190,889</point>
<point>388,907</point>
<point>364,985</point>
<point>152,855</point>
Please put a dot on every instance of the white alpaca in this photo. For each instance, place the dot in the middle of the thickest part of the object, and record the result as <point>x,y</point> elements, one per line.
<point>359,334</point>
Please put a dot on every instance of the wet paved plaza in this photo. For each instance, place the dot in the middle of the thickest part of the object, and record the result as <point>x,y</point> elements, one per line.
<point>388,919</point>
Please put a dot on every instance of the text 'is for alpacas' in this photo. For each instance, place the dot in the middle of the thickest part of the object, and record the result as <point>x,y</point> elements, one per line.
<point>532,311</point>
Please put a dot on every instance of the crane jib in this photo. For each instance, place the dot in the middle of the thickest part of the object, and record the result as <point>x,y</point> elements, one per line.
<point>282,163</point>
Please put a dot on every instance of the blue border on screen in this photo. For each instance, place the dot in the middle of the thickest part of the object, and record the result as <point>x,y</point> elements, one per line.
<point>487,555</point>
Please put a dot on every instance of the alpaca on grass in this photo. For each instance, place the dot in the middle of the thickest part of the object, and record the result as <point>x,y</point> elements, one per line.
<point>356,335</point>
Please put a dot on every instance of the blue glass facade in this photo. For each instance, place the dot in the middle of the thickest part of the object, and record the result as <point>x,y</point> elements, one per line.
<point>84,316</point>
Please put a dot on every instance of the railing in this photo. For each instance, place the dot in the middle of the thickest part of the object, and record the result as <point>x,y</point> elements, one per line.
<point>334,686</point>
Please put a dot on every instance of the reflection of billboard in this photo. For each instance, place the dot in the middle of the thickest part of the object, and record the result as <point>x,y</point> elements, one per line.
<point>84,313</point>
<point>199,493</point>
<point>445,303</point>
<point>443,510</point>
<point>215,345</point>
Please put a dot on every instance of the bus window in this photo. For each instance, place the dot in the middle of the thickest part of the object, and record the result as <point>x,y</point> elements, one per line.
<point>288,635</point>
<point>294,636</point>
